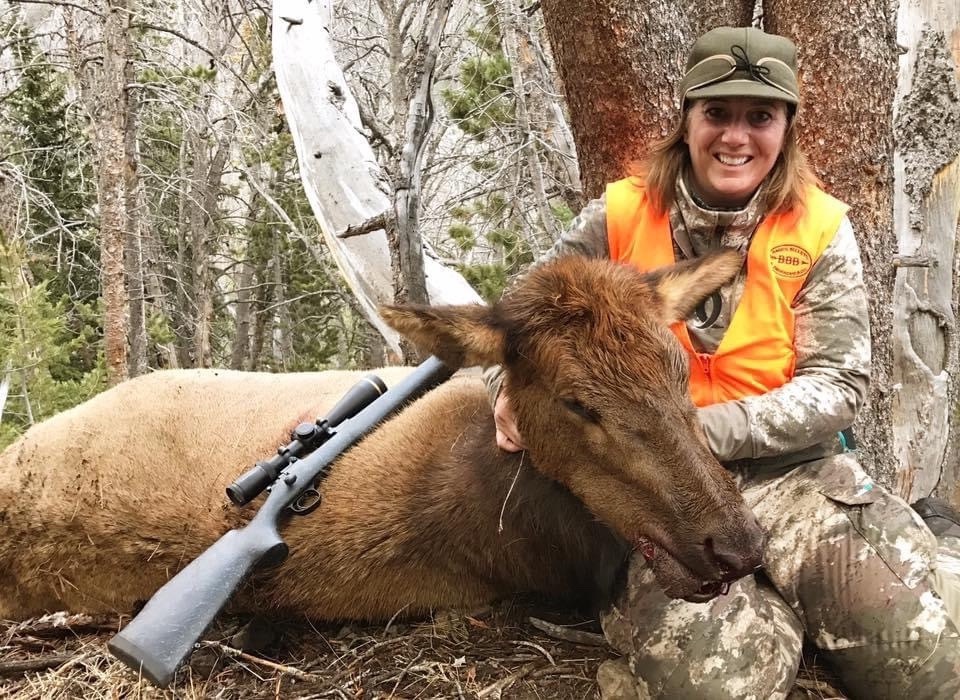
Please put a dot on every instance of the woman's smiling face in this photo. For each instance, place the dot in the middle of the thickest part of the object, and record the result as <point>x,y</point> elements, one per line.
<point>734,143</point>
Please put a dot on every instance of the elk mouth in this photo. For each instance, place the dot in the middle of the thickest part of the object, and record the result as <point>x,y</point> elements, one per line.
<point>676,579</point>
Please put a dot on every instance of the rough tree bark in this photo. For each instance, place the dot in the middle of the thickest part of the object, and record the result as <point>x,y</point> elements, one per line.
<point>926,205</point>
<point>410,282</point>
<point>889,146</point>
<point>340,174</point>
<point>619,63</point>
<point>111,192</point>
<point>134,261</point>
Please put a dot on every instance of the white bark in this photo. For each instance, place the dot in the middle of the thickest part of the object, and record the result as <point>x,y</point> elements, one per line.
<point>337,165</point>
<point>411,280</point>
<point>4,388</point>
<point>926,208</point>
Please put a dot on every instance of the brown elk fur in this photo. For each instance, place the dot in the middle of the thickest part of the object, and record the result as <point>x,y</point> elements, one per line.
<point>100,505</point>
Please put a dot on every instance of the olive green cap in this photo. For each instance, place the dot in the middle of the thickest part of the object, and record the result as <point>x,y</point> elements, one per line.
<point>741,62</point>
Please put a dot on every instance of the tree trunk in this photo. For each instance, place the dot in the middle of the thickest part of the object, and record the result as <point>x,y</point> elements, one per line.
<point>134,205</point>
<point>5,386</point>
<point>241,335</point>
<point>520,60</point>
<point>561,151</point>
<point>704,16</point>
<point>111,191</point>
<point>846,131</point>
<point>620,63</point>
<point>199,233</point>
<point>408,246</point>
<point>182,277</point>
<point>338,168</point>
<point>159,297</point>
<point>926,205</point>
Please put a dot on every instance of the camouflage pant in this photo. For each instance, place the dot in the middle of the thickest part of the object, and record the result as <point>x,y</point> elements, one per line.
<point>848,564</point>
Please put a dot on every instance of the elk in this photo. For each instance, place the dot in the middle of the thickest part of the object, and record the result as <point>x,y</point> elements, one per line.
<point>102,504</point>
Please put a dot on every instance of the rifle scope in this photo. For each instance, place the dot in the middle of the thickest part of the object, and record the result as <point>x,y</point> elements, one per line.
<point>305,438</point>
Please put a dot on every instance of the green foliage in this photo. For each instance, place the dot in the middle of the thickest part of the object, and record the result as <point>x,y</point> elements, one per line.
<point>506,212</point>
<point>482,98</point>
<point>488,279</point>
<point>202,73</point>
<point>50,320</point>
<point>320,327</point>
<point>44,354</point>
<point>463,236</point>
<point>49,328</point>
<point>484,165</point>
<point>160,328</point>
<point>563,214</point>
<point>47,145</point>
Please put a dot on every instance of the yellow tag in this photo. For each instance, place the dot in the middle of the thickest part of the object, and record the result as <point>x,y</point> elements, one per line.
<point>790,261</point>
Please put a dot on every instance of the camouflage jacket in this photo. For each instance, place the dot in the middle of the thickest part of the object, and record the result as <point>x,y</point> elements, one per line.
<point>832,334</point>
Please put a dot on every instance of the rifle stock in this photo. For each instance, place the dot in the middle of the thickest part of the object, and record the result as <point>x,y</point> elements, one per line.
<point>170,624</point>
<point>165,632</point>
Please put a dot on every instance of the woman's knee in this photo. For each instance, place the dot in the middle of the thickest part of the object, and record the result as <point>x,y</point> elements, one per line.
<point>745,644</point>
<point>870,595</point>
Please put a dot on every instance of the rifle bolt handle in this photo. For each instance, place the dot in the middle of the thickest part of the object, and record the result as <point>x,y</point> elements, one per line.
<point>290,479</point>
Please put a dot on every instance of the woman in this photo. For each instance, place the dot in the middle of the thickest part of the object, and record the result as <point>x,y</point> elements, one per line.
<point>779,367</point>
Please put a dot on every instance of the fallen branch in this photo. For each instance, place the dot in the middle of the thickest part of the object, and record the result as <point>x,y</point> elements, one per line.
<point>61,625</point>
<point>272,665</point>
<point>541,650</point>
<point>18,668</point>
<point>496,689</point>
<point>566,634</point>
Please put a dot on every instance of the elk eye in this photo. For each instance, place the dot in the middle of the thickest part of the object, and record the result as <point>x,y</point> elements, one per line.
<point>575,406</point>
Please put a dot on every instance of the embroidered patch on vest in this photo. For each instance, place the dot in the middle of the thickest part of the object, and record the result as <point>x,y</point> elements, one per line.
<point>790,261</point>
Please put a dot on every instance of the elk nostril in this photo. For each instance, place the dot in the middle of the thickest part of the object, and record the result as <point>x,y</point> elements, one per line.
<point>730,562</point>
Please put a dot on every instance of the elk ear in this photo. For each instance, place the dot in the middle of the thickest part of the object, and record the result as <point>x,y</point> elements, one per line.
<point>683,286</point>
<point>461,336</point>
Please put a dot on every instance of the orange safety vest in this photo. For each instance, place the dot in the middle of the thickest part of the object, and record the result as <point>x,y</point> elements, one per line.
<point>756,353</point>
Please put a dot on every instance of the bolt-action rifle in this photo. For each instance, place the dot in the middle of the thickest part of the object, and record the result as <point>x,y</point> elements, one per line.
<point>166,630</point>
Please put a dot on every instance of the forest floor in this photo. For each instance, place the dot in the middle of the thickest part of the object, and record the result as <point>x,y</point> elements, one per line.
<point>515,650</point>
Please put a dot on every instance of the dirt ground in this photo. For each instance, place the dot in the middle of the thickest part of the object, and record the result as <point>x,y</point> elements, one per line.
<point>515,650</point>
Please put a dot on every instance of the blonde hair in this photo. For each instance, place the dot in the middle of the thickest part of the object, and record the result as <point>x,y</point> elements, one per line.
<point>786,184</point>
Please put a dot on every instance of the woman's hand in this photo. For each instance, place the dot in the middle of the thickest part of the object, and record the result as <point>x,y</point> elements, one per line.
<point>508,436</point>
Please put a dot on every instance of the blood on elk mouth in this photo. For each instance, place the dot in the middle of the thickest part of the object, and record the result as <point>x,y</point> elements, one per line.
<point>708,590</point>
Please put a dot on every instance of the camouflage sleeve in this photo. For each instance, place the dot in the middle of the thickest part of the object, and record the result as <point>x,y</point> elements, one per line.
<point>587,235</point>
<point>832,339</point>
